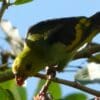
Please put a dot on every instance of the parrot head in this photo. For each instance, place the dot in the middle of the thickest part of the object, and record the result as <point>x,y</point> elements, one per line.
<point>27,63</point>
<point>21,66</point>
<point>18,70</point>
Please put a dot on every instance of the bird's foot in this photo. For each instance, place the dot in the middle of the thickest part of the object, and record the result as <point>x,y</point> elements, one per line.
<point>51,71</point>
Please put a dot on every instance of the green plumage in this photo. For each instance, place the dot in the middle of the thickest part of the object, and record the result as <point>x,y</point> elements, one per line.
<point>54,42</point>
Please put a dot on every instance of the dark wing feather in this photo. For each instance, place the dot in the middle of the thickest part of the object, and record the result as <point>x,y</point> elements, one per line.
<point>48,25</point>
<point>64,33</point>
<point>73,32</point>
<point>56,30</point>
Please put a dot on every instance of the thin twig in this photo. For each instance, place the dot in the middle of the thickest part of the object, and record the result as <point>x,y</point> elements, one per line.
<point>8,75</point>
<point>46,85</point>
<point>43,94</point>
<point>72,84</point>
<point>88,51</point>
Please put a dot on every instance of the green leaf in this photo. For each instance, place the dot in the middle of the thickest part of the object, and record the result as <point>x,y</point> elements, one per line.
<point>54,89</point>
<point>88,74</point>
<point>12,89</point>
<point>6,94</point>
<point>20,2</point>
<point>3,94</point>
<point>82,76</point>
<point>75,96</point>
<point>22,92</point>
<point>10,94</point>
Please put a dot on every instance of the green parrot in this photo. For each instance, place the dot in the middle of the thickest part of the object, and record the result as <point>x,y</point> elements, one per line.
<point>54,43</point>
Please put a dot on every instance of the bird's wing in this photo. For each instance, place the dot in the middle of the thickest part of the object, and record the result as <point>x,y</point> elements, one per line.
<point>56,30</point>
<point>64,34</point>
<point>72,32</point>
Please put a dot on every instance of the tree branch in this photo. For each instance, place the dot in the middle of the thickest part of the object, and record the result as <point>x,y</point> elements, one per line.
<point>71,84</point>
<point>88,51</point>
<point>8,75</point>
<point>5,5</point>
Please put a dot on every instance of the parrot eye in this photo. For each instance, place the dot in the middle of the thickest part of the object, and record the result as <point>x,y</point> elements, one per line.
<point>28,67</point>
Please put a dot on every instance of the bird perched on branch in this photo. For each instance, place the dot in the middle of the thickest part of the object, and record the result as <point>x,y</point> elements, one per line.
<point>54,42</point>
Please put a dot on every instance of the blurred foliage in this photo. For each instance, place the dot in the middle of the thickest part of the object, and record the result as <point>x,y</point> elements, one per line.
<point>11,91</point>
<point>75,96</point>
<point>6,94</point>
<point>88,74</point>
<point>54,89</point>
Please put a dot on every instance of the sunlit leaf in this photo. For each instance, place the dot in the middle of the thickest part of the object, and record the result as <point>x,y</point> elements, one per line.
<point>82,76</point>
<point>22,92</point>
<point>75,96</point>
<point>54,89</point>
<point>89,74</point>
<point>13,89</point>
<point>19,2</point>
